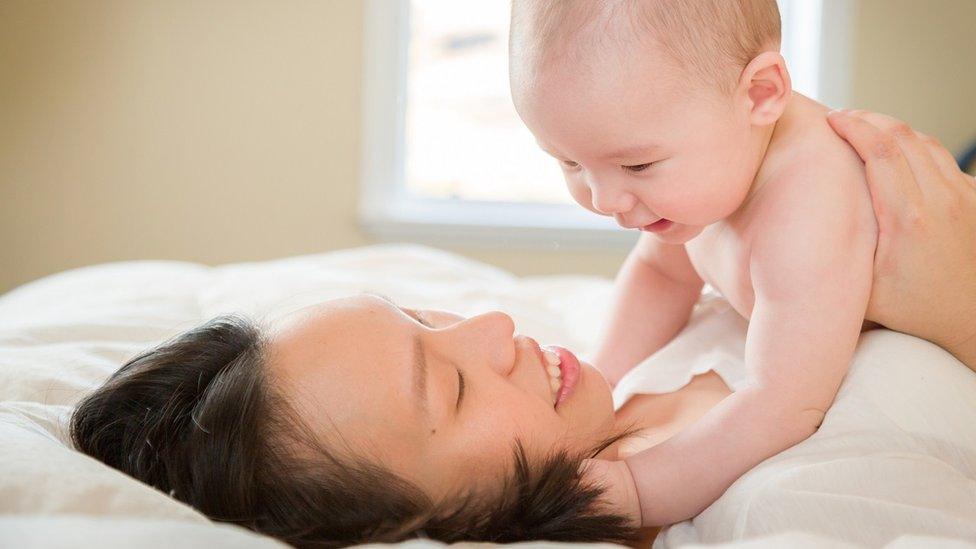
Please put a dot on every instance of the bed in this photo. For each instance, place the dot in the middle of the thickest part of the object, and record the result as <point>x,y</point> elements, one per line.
<point>894,464</point>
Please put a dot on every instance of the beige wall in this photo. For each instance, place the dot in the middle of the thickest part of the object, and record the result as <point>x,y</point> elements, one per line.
<point>209,131</point>
<point>914,59</point>
<point>219,131</point>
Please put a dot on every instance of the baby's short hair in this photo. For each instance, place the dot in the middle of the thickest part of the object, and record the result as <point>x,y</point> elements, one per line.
<point>713,39</point>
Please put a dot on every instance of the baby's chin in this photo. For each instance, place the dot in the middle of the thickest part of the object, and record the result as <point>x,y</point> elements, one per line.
<point>679,233</point>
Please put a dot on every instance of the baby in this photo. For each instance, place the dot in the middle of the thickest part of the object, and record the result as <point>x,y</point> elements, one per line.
<point>677,118</point>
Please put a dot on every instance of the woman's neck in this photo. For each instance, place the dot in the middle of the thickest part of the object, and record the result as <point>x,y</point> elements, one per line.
<point>658,417</point>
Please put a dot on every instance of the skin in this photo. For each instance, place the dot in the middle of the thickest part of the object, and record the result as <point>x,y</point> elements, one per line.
<point>348,366</point>
<point>903,190</point>
<point>767,205</point>
<point>925,264</point>
<point>326,358</point>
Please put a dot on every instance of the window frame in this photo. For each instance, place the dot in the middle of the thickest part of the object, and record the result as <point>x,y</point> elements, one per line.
<point>386,212</point>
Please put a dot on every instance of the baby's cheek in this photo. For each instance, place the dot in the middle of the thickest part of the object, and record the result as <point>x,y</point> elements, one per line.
<point>581,194</point>
<point>686,200</point>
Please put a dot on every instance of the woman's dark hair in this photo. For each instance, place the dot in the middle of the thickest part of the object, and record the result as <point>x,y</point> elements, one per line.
<point>197,418</point>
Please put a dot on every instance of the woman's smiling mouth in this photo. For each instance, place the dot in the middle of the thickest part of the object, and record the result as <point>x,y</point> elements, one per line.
<point>570,369</point>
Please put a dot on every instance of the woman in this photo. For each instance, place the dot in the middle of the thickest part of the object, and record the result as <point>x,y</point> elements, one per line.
<point>356,421</point>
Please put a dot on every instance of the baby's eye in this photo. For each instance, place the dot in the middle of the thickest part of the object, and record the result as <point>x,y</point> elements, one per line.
<point>569,164</point>
<point>638,167</point>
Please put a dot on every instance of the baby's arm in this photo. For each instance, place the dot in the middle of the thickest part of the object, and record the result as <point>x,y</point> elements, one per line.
<point>655,291</point>
<point>812,279</point>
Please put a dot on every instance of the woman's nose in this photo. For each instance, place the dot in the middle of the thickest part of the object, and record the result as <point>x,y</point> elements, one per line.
<point>486,339</point>
<point>610,198</point>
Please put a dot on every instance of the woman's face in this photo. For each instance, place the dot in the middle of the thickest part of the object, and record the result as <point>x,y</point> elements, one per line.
<point>384,382</point>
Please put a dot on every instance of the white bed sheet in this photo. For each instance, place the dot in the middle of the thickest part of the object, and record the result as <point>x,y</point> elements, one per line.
<point>895,455</point>
<point>61,336</point>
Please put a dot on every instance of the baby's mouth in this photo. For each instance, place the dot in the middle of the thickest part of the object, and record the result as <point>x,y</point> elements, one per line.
<point>658,226</point>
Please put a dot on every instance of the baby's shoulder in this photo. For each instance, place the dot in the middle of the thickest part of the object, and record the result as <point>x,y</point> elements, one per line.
<point>817,195</point>
<point>819,172</point>
<point>819,161</point>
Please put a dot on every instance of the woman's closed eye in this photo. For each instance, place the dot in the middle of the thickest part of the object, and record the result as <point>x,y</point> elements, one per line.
<point>460,392</point>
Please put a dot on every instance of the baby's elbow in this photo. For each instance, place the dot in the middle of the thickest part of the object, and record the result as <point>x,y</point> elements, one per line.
<point>800,423</point>
<point>807,421</point>
<point>794,419</point>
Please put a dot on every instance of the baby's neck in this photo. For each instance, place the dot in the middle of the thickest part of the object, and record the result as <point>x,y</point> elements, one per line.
<point>777,142</point>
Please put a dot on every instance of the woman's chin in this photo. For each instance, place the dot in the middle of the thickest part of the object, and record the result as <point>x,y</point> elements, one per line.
<point>598,380</point>
<point>591,403</point>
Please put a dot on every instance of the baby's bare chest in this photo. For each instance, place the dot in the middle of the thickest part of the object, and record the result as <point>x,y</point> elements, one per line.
<point>720,255</point>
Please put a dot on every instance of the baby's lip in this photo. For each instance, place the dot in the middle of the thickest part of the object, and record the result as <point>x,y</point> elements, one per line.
<point>658,226</point>
<point>639,225</point>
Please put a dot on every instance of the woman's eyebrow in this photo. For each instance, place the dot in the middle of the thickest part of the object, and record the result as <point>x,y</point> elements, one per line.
<point>419,360</point>
<point>420,375</point>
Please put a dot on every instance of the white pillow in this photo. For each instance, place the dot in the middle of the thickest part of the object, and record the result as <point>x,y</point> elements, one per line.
<point>895,456</point>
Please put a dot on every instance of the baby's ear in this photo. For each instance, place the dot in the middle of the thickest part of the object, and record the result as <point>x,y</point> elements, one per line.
<point>765,84</point>
<point>620,491</point>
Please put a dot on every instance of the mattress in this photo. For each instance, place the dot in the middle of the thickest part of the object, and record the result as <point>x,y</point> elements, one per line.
<point>63,335</point>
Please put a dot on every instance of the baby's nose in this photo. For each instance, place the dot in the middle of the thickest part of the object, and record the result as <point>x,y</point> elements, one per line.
<point>610,200</point>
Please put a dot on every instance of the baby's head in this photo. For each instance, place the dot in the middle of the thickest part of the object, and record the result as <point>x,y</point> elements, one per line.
<point>656,109</point>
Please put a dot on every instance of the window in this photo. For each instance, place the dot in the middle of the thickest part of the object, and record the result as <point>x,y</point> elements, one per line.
<point>446,159</point>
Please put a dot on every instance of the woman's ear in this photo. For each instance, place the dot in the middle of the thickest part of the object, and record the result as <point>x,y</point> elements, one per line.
<point>765,88</point>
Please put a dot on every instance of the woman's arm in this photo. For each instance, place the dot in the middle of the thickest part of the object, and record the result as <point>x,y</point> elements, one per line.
<point>925,263</point>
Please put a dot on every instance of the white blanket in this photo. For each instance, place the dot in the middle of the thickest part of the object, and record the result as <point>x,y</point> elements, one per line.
<point>896,454</point>
<point>63,335</point>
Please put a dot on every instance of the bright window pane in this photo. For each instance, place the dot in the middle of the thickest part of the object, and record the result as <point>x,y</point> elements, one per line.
<point>463,137</point>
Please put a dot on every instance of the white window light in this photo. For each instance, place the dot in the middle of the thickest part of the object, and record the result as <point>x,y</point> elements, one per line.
<point>817,47</point>
<point>445,159</point>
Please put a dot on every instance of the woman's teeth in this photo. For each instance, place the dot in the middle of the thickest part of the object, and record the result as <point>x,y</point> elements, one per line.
<point>552,359</point>
<point>552,368</point>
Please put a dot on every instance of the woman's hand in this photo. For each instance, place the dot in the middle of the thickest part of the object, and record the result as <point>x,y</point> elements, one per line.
<point>925,263</point>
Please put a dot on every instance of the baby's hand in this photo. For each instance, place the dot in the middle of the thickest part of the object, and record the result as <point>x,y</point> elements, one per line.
<point>620,495</point>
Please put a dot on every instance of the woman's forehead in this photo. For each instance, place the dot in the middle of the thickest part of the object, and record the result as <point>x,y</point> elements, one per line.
<point>339,328</point>
<point>331,315</point>
<point>343,364</point>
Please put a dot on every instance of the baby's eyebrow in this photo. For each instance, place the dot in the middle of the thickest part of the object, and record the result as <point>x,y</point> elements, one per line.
<point>547,151</point>
<point>632,151</point>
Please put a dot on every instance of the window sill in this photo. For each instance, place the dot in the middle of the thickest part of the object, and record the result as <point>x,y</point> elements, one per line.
<point>494,225</point>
